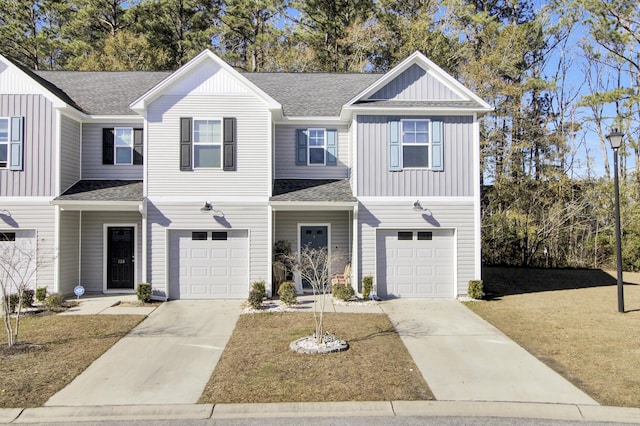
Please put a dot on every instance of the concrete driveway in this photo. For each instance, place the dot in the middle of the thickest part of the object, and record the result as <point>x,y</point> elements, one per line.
<point>167,359</point>
<point>464,358</point>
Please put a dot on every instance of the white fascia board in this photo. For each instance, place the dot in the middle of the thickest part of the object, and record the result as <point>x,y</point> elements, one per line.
<point>84,205</point>
<point>409,200</point>
<point>371,110</point>
<point>24,200</point>
<point>312,205</point>
<point>313,120</point>
<point>168,199</point>
<point>431,68</point>
<point>141,103</point>
<point>137,119</point>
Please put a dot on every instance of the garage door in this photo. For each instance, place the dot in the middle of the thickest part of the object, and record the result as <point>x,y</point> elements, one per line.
<point>17,254</point>
<point>415,263</point>
<point>208,264</point>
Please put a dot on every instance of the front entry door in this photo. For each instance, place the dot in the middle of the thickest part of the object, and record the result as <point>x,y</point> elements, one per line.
<point>120,258</point>
<point>313,237</point>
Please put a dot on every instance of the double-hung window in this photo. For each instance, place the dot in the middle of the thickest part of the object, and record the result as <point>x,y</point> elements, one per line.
<point>317,146</point>
<point>207,142</point>
<point>415,143</point>
<point>123,145</point>
<point>4,142</point>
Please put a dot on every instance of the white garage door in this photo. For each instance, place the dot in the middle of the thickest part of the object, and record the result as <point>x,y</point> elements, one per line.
<point>208,264</point>
<point>415,263</point>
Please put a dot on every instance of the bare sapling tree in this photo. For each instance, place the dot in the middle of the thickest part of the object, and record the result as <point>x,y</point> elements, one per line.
<point>314,266</point>
<point>18,266</point>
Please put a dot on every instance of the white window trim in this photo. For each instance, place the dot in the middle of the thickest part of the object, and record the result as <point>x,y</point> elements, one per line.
<point>428,144</point>
<point>194,143</point>
<point>323,147</point>
<point>115,146</point>
<point>6,143</point>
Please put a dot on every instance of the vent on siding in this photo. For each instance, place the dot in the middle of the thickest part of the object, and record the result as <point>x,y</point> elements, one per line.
<point>425,235</point>
<point>219,236</point>
<point>198,236</point>
<point>405,236</point>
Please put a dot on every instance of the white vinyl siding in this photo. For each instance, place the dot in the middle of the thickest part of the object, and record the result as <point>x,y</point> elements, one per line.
<point>285,155</point>
<point>253,129</point>
<point>456,179</point>
<point>39,172</point>
<point>455,215</point>
<point>69,253</point>
<point>70,152</point>
<point>92,167</point>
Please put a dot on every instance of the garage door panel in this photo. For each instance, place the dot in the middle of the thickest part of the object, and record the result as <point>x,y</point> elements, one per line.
<point>208,269</point>
<point>413,267</point>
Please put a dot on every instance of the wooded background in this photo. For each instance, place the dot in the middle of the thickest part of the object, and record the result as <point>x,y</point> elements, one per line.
<point>560,74</point>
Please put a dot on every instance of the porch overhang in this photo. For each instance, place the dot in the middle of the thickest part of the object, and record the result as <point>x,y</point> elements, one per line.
<point>81,205</point>
<point>312,205</point>
<point>102,195</point>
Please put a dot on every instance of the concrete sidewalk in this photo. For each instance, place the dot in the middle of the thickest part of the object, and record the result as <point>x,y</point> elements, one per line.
<point>167,359</point>
<point>464,358</point>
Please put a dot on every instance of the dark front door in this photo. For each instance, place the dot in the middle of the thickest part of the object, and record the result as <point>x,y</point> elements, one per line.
<point>313,237</point>
<point>120,258</point>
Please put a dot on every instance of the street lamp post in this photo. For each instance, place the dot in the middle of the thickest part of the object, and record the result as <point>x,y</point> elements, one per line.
<point>615,139</point>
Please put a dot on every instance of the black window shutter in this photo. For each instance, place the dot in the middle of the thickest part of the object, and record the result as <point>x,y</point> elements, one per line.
<point>137,146</point>
<point>107,146</point>
<point>229,145</point>
<point>186,145</point>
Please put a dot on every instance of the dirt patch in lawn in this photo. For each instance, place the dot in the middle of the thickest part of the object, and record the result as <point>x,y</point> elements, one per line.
<point>577,332</point>
<point>52,350</point>
<point>258,366</point>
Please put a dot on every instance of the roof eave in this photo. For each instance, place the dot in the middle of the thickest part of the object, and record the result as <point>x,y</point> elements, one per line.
<point>101,205</point>
<point>382,110</point>
<point>312,205</point>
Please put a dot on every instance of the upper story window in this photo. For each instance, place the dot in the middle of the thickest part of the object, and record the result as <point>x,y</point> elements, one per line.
<point>207,143</point>
<point>4,142</point>
<point>317,146</point>
<point>123,145</point>
<point>415,143</point>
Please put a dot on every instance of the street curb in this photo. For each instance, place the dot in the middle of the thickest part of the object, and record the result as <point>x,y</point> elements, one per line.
<point>546,411</point>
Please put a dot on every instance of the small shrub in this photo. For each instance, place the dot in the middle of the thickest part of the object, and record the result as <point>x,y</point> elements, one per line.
<point>27,298</point>
<point>367,286</point>
<point>54,300</point>
<point>41,294</point>
<point>144,292</point>
<point>342,291</point>
<point>11,300</point>
<point>255,298</point>
<point>475,289</point>
<point>287,293</point>
<point>260,286</point>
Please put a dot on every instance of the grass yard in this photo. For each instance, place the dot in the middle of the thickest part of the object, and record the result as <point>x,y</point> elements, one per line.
<point>258,366</point>
<point>569,320</point>
<point>51,351</point>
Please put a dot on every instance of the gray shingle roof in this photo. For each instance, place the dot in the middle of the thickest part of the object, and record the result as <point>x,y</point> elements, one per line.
<point>104,92</point>
<point>312,190</point>
<point>312,94</point>
<point>104,190</point>
<point>300,94</point>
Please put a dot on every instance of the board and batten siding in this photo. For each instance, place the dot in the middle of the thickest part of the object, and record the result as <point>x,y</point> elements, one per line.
<point>162,217</point>
<point>93,240</point>
<point>40,217</point>
<point>286,229</point>
<point>454,215</point>
<point>375,179</point>
<point>70,134</point>
<point>92,167</point>
<point>415,84</point>
<point>69,251</point>
<point>252,176</point>
<point>285,155</point>
<point>38,177</point>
